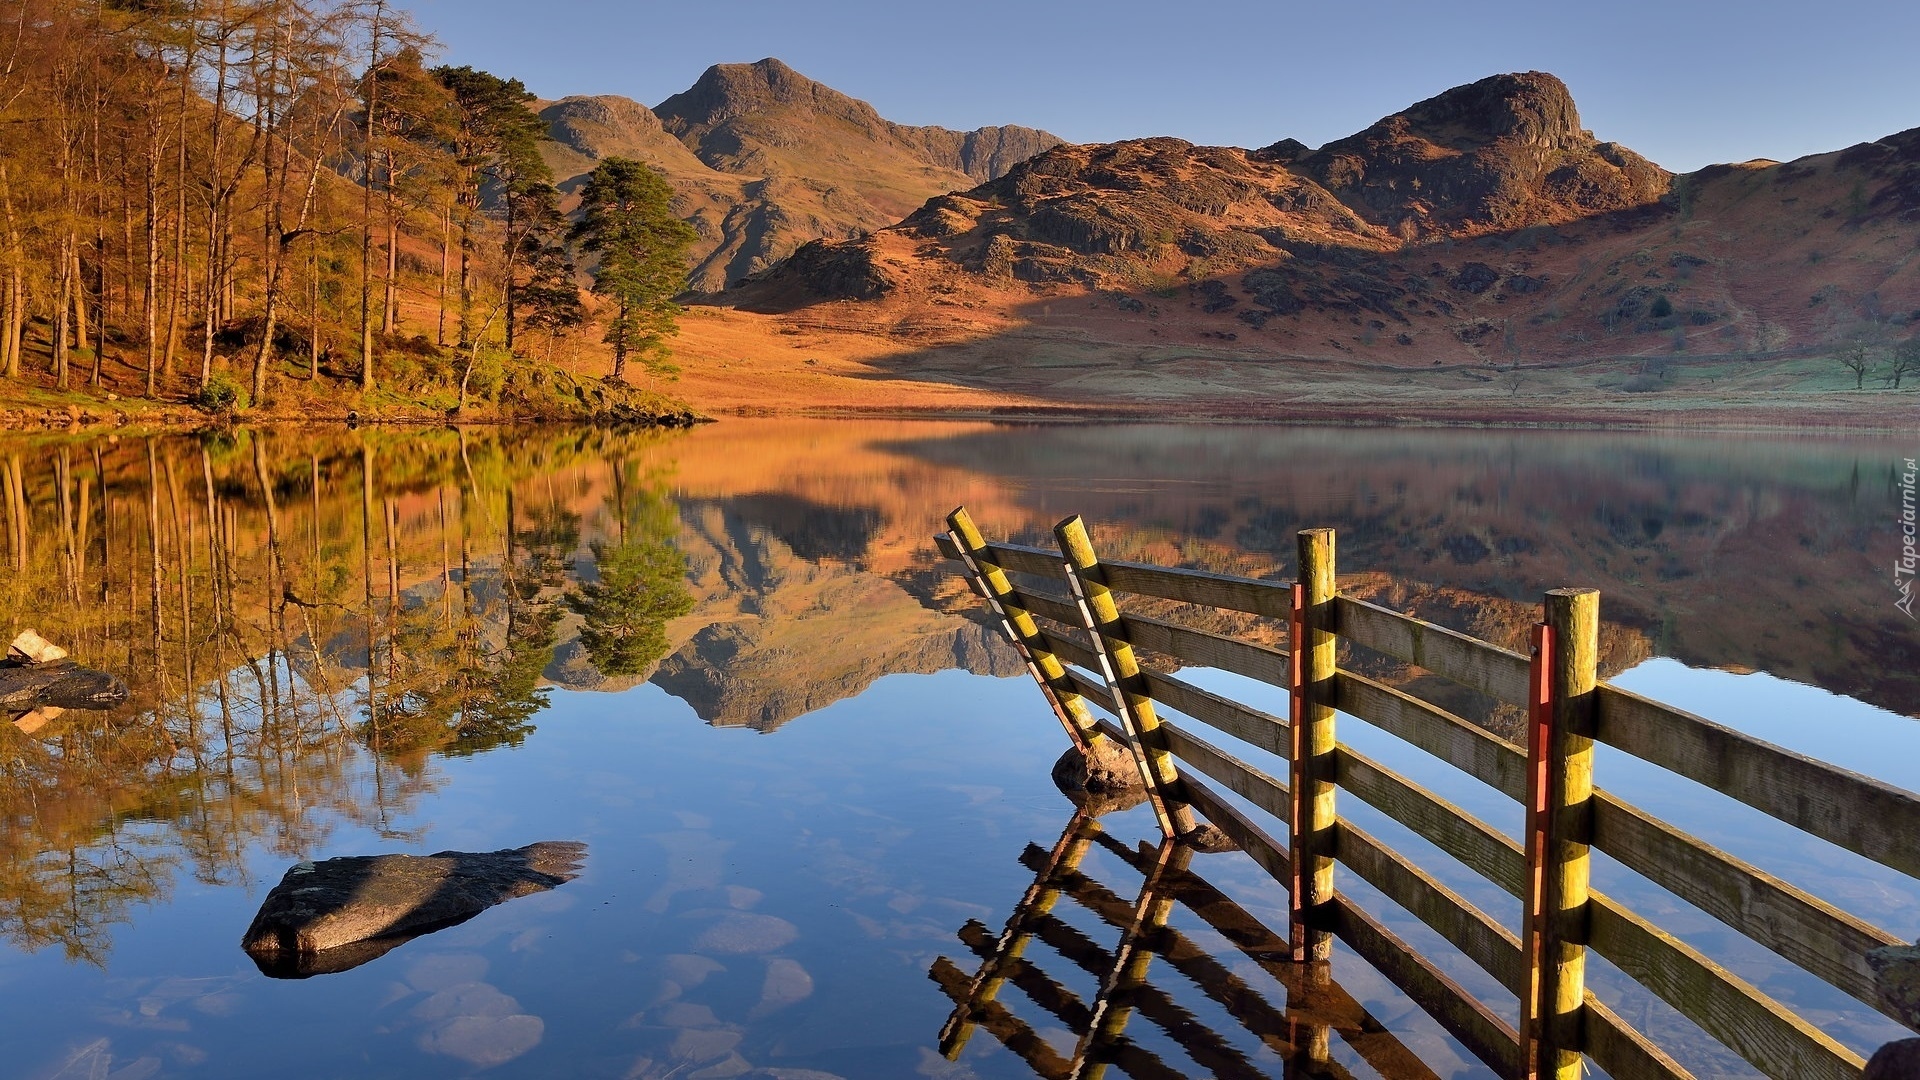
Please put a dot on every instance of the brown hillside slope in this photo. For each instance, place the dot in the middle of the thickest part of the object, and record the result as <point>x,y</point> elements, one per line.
<point>1478,245</point>
<point>765,159</point>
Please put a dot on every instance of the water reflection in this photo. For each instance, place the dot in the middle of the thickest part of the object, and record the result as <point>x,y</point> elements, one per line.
<point>322,630</point>
<point>276,600</point>
<point>1290,1039</point>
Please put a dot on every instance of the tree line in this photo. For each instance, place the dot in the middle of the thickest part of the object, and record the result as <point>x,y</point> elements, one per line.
<point>288,189</point>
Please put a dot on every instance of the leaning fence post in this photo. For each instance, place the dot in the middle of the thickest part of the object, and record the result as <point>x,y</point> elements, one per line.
<point>1559,831</point>
<point>992,584</point>
<point>1122,674</point>
<point>1311,833</point>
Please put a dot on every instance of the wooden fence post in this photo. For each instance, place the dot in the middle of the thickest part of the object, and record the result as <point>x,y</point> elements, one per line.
<point>992,585</point>
<point>1312,831</point>
<point>1122,674</point>
<point>1559,830</point>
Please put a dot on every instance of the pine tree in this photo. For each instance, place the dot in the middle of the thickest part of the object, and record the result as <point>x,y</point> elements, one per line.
<point>627,219</point>
<point>496,149</point>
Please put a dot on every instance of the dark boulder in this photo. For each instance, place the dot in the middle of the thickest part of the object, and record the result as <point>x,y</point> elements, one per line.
<point>340,913</point>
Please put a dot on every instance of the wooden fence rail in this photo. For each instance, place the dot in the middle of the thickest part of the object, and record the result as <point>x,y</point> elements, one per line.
<point>1060,608</point>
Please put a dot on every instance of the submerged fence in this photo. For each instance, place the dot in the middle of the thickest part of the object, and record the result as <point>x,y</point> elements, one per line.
<point>1081,650</point>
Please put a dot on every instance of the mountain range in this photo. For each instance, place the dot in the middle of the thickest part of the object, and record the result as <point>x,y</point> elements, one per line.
<point>1480,231</point>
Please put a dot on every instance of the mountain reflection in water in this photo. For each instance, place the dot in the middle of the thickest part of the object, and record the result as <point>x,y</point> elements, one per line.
<point>317,624</point>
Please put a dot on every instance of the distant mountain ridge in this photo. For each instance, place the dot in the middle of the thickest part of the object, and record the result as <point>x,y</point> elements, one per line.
<point>1481,226</point>
<point>765,159</point>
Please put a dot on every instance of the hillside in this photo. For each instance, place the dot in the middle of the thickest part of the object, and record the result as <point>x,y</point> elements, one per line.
<point>1481,238</point>
<point>765,159</point>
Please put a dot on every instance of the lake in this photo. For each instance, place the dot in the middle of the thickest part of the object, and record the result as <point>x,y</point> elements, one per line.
<point>811,783</point>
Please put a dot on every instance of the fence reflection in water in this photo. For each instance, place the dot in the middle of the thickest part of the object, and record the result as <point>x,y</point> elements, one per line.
<point>1299,1032</point>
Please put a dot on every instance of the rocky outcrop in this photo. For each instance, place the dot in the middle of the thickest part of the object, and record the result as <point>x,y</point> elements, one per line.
<point>845,271</point>
<point>340,913</point>
<point>1502,153</point>
<point>984,153</point>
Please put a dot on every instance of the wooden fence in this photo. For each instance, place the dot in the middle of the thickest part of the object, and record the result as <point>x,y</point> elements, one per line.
<point>1080,648</point>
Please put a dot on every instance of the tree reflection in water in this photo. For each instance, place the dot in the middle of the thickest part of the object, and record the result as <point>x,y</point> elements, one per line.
<point>306,620</point>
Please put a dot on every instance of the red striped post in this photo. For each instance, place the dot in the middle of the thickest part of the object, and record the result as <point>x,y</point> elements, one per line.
<point>1296,758</point>
<point>1539,740</point>
<point>1559,832</point>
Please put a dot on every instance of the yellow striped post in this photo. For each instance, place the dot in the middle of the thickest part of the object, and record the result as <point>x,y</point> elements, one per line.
<point>1122,674</point>
<point>1314,829</point>
<point>991,583</point>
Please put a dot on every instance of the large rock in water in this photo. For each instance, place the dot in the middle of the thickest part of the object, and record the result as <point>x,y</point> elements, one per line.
<point>337,914</point>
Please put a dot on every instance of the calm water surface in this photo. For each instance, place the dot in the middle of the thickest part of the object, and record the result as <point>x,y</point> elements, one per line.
<point>811,789</point>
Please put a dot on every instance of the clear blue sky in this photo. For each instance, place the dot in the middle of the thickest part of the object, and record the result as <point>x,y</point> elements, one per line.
<point>1686,83</point>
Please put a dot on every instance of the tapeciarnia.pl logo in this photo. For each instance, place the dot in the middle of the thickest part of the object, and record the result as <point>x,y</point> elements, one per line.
<point>1905,566</point>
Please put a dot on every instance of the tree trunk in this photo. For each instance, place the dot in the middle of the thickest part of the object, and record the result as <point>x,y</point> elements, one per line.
<point>620,346</point>
<point>81,339</point>
<point>63,312</point>
<point>466,277</point>
<point>391,300</point>
<point>13,296</point>
<point>313,315</point>
<point>178,298</point>
<point>366,202</point>
<point>216,184</point>
<point>446,242</point>
<point>150,234</point>
<point>512,251</point>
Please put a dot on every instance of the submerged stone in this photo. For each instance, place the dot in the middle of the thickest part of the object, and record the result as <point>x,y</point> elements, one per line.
<point>742,933</point>
<point>330,916</point>
<point>787,983</point>
<point>484,1041</point>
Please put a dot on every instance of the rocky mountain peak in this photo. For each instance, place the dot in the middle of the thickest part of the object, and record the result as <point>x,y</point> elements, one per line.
<point>1532,108</point>
<point>1501,153</point>
<point>726,91</point>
